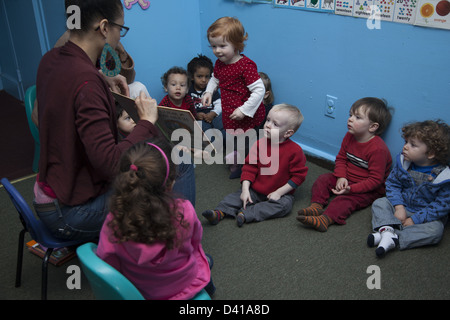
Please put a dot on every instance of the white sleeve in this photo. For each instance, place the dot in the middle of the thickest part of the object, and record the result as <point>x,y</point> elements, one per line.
<point>212,84</point>
<point>217,106</point>
<point>250,106</point>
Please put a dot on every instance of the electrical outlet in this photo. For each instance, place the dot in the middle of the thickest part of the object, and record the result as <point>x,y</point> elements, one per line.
<point>330,106</point>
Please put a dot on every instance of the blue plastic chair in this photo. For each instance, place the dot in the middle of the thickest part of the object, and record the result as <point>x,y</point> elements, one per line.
<point>106,282</point>
<point>30,97</point>
<point>38,232</point>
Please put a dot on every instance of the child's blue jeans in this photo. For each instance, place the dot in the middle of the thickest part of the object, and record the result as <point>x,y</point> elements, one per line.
<point>409,237</point>
<point>84,222</point>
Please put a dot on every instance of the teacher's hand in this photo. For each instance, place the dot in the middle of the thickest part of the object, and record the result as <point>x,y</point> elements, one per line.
<point>147,108</point>
<point>118,84</point>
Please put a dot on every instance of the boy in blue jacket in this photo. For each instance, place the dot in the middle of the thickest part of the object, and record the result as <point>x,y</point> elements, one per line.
<point>416,205</point>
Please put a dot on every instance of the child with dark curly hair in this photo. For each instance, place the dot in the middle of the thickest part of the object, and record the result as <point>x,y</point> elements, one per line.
<point>176,83</point>
<point>416,205</point>
<point>150,236</point>
<point>200,69</point>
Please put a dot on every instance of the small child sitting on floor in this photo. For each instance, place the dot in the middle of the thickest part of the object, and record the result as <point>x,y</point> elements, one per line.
<point>416,205</point>
<point>267,192</point>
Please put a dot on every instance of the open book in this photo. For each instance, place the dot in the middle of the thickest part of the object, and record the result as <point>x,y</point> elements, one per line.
<point>170,120</point>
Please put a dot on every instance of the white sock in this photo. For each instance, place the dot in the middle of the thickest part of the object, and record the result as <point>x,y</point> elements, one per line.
<point>373,239</point>
<point>389,240</point>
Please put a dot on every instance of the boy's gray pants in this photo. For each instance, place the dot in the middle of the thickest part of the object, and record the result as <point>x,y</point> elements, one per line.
<point>261,208</point>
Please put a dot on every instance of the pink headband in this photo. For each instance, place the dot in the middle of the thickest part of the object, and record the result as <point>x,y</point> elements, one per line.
<point>165,157</point>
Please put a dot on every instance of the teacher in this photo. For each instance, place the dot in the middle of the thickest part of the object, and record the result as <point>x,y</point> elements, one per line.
<point>78,126</point>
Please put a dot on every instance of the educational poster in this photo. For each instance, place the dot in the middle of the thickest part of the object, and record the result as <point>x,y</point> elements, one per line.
<point>344,7</point>
<point>405,11</point>
<point>298,3</point>
<point>433,13</point>
<point>282,3</point>
<point>426,13</point>
<point>314,5</point>
<point>363,8</point>
<point>327,5</point>
<point>386,9</point>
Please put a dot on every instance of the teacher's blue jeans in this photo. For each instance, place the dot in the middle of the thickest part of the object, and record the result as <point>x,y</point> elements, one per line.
<point>84,222</point>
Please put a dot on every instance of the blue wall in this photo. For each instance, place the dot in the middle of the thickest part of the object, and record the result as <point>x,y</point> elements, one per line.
<point>307,55</point>
<point>163,36</point>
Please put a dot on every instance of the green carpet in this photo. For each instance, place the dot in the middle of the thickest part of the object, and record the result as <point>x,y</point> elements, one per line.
<point>276,259</point>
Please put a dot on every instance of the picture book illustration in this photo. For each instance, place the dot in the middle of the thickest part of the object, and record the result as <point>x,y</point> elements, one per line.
<point>169,120</point>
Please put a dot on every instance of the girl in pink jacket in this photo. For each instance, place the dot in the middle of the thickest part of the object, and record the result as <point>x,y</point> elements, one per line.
<point>149,236</point>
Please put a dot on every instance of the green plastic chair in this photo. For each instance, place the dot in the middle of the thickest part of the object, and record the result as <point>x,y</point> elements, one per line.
<point>106,282</point>
<point>30,96</point>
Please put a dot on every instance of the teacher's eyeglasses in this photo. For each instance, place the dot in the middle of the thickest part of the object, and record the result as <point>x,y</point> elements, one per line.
<point>123,29</point>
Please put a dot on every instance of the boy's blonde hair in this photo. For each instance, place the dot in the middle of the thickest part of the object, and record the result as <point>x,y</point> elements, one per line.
<point>435,135</point>
<point>231,29</point>
<point>296,116</point>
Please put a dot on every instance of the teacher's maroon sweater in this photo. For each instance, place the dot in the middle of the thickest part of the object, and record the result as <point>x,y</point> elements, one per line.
<point>78,126</point>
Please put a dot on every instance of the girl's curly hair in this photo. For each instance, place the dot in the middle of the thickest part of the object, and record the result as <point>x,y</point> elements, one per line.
<point>143,206</point>
<point>435,134</point>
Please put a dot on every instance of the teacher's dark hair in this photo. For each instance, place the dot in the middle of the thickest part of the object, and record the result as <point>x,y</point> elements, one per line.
<point>90,10</point>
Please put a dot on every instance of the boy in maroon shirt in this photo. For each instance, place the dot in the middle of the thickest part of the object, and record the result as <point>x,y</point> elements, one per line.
<point>361,168</point>
<point>176,84</point>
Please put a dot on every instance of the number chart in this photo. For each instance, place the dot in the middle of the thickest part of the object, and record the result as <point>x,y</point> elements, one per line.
<point>405,11</point>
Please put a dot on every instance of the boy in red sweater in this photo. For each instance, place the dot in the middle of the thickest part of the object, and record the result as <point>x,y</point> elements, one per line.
<point>273,169</point>
<point>361,168</point>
